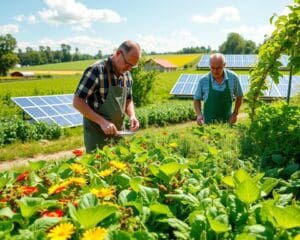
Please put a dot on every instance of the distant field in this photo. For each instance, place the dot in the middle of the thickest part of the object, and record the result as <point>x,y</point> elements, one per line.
<point>71,68</point>
<point>178,59</point>
<point>67,66</point>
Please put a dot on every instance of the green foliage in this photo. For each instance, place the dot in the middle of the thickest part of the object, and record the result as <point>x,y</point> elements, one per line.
<point>142,84</point>
<point>8,58</point>
<point>15,129</point>
<point>167,113</point>
<point>285,39</point>
<point>274,135</point>
<point>236,44</point>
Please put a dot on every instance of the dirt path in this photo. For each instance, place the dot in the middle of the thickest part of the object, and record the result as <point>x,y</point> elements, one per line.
<point>46,157</point>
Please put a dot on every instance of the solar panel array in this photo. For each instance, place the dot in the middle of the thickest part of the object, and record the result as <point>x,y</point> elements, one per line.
<point>239,60</point>
<point>187,83</point>
<point>51,109</point>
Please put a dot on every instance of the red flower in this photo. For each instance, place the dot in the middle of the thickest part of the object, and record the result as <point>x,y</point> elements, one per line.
<point>4,200</point>
<point>55,213</point>
<point>78,152</point>
<point>27,190</point>
<point>22,176</point>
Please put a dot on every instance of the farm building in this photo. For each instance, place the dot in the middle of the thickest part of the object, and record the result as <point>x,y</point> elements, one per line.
<point>22,74</point>
<point>161,65</point>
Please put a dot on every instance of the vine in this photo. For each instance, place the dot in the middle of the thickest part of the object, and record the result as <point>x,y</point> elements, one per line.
<point>285,39</point>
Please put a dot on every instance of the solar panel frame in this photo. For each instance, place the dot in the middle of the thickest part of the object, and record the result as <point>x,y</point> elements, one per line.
<point>51,109</point>
<point>184,89</point>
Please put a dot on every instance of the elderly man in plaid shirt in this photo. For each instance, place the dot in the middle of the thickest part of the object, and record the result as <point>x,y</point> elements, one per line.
<point>104,95</point>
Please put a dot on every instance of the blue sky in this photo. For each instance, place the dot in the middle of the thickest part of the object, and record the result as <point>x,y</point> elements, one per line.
<point>158,25</point>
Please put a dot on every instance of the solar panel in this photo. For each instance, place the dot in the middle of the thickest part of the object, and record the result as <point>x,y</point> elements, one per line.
<point>187,83</point>
<point>239,60</point>
<point>51,109</point>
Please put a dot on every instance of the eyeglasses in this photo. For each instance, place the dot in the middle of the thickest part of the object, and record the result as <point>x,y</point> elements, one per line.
<point>126,62</point>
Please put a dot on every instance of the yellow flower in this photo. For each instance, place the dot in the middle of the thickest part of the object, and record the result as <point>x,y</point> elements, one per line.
<point>78,168</point>
<point>173,145</point>
<point>62,231</point>
<point>57,188</point>
<point>77,180</point>
<point>118,165</point>
<point>103,192</point>
<point>97,233</point>
<point>106,172</point>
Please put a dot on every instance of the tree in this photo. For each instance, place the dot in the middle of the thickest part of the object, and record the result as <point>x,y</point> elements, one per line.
<point>236,44</point>
<point>142,84</point>
<point>66,53</point>
<point>285,39</point>
<point>8,58</point>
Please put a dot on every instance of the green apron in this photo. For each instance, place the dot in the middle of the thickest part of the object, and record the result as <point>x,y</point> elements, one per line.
<point>217,107</point>
<point>113,110</point>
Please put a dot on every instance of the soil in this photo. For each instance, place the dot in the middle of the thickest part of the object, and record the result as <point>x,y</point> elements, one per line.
<point>17,163</point>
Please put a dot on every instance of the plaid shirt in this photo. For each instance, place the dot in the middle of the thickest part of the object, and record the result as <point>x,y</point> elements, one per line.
<point>93,85</point>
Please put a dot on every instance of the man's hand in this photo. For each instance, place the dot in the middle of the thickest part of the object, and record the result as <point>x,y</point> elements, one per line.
<point>108,128</point>
<point>134,123</point>
<point>233,118</point>
<point>200,119</point>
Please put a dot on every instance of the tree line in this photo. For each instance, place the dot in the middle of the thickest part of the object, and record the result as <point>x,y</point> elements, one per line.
<point>45,55</point>
<point>9,57</point>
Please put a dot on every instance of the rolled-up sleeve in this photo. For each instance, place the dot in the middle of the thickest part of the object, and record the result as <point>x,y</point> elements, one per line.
<point>198,93</point>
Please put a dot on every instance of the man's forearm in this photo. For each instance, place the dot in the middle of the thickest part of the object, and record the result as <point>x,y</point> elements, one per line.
<point>197,107</point>
<point>130,108</point>
<point>238,103</point>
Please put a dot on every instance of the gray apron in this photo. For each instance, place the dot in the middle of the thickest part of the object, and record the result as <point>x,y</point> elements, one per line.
<point>113,110</point>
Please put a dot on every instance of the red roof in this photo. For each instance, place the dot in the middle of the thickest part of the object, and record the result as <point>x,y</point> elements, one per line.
<point>164,63</point>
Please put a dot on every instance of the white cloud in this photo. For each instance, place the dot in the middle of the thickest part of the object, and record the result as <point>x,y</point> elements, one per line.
<point>9,28</point>
<point>85,44</point>
<point>76,14</point>
<point>226,13</point>
<point>177,40</point>
<point>30,19</point>
<point>256,34</point>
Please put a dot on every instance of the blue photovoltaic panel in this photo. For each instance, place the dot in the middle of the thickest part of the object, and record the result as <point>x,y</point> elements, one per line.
<point>239,60</point>
<point>51,109</point>
<point>187,83</point>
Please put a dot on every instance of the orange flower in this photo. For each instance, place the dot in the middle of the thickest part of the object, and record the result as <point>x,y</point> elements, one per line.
<point>22,176</point>
<point>27,190</point>
<point>55,213</point>
<point>78,152</point>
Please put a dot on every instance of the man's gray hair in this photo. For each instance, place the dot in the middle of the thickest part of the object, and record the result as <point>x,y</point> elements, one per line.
<point>217,55</point>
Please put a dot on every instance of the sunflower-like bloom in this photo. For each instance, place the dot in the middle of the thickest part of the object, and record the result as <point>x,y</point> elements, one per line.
<point>173,145</point>
<point>57,188</point>
<point>118,165</point>
<point>97,233</point>
<point>62,231</point>
<point>78,168</point>
<point>103,192</point>
<point>106,172</point>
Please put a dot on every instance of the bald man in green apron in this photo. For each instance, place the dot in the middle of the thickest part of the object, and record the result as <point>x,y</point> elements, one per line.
<point>217,89</point>
<point>104,96</point>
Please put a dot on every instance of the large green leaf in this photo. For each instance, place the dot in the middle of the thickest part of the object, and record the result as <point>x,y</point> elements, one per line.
<point>148,194</point>
<point>4,179</point>
<point>170,169</point>
<point>217,225</point>
<point>240,175</point>
<point>7,212</point>
<point>90,217</point>
<point>248,191</point>
<point>5,227</point>
<point>43,223</point>
<point>268,186</point>
<point>158,208</point>
<point>36,165</point>
<point>135,182</point>
<point>228,180</point>
<point>245,236</point>
<point>284,217</point>
<point>88,200</point>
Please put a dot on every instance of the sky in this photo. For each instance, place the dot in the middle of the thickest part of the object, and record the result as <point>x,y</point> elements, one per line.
<point>157,25</point>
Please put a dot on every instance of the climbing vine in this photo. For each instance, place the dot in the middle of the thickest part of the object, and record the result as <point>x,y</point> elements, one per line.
<point>285,39</point>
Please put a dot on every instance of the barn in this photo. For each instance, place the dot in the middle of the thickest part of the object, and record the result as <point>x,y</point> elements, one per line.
<point>160,65</point>
<point>22,74</point>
